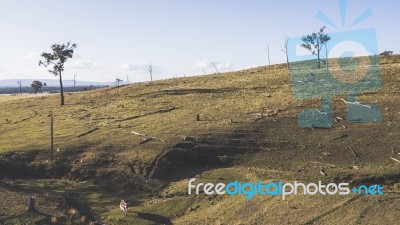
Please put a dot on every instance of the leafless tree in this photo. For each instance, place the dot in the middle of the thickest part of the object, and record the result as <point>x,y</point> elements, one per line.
<point>326,56</point>
<point>75,79</point>
<point>20,86</point>
<point>150,69</point>
<point>269,61</point>
<point>284,49</point>
<point>215,67</point>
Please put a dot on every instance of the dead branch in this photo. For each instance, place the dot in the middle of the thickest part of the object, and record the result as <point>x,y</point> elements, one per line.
<point>326,164</point>
<point>147,114</point>
<point>339,137</point>
<point>394,159</point>
<point>354,153</point>
<point>147,138</point>
<point>88,132</point>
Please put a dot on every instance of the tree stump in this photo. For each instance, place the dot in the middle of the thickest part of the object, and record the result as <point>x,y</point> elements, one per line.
<point>31,205</point>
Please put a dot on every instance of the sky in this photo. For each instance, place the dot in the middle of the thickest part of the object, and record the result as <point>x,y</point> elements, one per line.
<point>121,38</point>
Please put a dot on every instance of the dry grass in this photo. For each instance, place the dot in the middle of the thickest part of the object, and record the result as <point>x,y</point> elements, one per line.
<point>116,165</point>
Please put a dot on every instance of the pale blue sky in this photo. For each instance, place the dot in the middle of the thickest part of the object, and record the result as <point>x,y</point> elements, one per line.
<point>119,38</point>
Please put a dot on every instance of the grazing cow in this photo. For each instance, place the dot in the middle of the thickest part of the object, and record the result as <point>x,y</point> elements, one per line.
<point>123,206</point>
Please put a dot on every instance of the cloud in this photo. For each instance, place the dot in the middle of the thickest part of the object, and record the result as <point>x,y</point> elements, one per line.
<point>138,67</point>
<point>84,64</point>
<point>208,64</point>
<point>77,55</point>
<point>4,71</point>
<point>32,55</point>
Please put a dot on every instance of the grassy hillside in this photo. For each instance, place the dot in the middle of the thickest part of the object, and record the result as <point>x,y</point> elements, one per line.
<point>208,127</point>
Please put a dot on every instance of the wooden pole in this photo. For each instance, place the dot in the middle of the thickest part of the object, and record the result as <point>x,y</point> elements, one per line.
<point>51,136</point>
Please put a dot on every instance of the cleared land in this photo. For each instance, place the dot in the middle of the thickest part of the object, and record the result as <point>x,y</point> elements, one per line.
<point>102,160</point>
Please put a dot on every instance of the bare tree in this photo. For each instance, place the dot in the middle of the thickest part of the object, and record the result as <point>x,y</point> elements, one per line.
<point>127,79</point>
<point>20,86</point>
<point>118,81</point>
<point>284,49</point>
<point>269,61</point>
<point>215,67</point>
<point>75,80</point>
<point>326,55</point>
<point>150,69</point>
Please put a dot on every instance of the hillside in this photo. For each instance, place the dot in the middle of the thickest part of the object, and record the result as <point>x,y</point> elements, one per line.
<point>51,83</point>
<point>207,127</point>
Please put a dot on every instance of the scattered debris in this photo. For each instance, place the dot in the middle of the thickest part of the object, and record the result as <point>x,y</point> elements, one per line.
<point>338,119</point>
<point>144,140</point>
<point>147,138</point>
<point>339,137</point>
<point>331,165</point>
<point>89,132</point>
<point>394,159</point>
<point>186,138</point>
<point>322,172</point>
<point>355,103</point>
<point>147,114</point>
<point>260,114</point>
<point>354,153</point>
<point>356,167</point>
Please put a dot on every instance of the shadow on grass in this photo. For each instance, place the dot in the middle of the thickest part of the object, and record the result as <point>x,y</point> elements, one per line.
<point>154,218</point>
<point>188,91</point>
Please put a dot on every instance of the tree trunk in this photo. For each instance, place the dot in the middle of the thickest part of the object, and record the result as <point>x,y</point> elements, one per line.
<point>31,205</point>
<point>61,88</point>
<point>319,62</point>
<point>326,56</point>
<point>287,60</point>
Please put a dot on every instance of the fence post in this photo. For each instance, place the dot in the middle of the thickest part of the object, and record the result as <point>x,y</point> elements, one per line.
<point>51,136</point>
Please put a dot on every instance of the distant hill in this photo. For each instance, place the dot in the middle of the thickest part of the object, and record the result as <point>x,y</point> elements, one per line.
<point>50,82</point>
